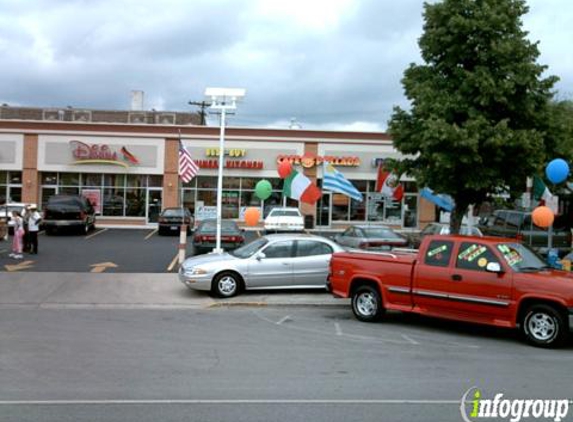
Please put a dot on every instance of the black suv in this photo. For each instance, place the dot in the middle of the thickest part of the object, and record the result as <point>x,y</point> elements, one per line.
<point>69,211</point>
<point>519,225</point>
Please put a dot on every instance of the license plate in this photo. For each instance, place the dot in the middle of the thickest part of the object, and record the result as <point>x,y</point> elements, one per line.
<point>173,227</point>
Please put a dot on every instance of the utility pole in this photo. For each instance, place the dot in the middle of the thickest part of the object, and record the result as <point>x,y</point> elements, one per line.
<point>202,113</point>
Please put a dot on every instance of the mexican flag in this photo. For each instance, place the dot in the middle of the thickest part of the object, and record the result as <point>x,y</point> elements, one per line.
<point>540,191</point>
<point>298,186</point>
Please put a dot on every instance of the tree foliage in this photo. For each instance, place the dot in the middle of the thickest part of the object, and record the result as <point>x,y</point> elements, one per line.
<point>475,125</point>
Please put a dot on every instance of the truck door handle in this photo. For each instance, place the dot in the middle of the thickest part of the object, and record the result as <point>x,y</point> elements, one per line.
<point>457,277</point>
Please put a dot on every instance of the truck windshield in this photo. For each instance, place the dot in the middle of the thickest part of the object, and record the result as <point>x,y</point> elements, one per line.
<point>520,258</point>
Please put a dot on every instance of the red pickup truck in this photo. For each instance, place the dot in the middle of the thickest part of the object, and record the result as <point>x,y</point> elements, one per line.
<point>484,280</point>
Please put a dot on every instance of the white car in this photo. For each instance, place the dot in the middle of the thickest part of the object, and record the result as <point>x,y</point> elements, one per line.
<point>9,208</point>
<point>284,219</point>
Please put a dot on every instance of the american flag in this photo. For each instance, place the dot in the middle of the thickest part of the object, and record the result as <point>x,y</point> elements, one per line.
<point>187,167</point>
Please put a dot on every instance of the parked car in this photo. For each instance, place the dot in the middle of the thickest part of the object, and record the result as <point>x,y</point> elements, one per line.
<point>371,237</point>
<point>171,219</point>
<point>69,211</point>
<point>483,280</point>
<point>6,213</point>
<point>285,261</point>
<point>519,225</point>
<point>442,229</point>
<point>284,219</point>
<point>204,238</point>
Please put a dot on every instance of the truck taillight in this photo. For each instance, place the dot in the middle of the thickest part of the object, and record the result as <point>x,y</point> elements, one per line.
<point>519,237</point>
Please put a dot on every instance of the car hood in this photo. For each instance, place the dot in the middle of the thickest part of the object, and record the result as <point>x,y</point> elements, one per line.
<point>207,259</point>
<point>548,281</point>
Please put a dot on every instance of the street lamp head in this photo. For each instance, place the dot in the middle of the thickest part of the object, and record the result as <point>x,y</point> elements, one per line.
<point>224,96</point>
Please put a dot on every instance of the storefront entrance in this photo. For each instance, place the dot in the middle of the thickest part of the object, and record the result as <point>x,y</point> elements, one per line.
<point>153,205</point>
<point>324,210</point>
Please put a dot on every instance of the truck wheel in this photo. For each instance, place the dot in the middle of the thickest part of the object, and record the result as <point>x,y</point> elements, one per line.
<point>226,285</point>
<point>544,326</point>
<point>367,304</point>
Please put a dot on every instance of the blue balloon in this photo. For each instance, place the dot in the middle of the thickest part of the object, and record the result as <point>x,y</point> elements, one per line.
<point>557,170</point>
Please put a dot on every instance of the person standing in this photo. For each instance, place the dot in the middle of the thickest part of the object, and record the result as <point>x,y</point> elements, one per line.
<point>18,235</point>
<point>26,239</point>
<point>34,219</point>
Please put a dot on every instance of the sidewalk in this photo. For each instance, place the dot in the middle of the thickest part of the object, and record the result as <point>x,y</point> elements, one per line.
<point>133,291</point>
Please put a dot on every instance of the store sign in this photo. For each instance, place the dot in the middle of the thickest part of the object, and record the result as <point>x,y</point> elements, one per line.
<point>234,152</point>
<point>231,164</point>
<point>101,154</point>
<point>309,161</point>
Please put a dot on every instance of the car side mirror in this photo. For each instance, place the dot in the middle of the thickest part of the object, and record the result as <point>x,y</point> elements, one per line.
<point>493,267</point>
<point>260,256</point>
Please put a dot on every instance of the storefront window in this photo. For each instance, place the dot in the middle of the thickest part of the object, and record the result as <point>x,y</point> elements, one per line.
<point>69,179</point>
<point>136,181</point>
<point>206,182</point>
<point>15,177</point>
<point>69,191</point>
<point>249,199</point>
<point>49,178</point>
<point>15,194</point>
<point>135,202</point>
<point>155,181</point>
<point>46,194</point>
<point>249,182</point>
<point>230,204</point>
<point>113,200</point>
<point>231,182</point>
<point>208,197</point>
<point>3,177</point>
<point>114,180</point>
<point>411,210</point>
<point>340,205</point>
<point>189,200</point>
<point>91,180</point>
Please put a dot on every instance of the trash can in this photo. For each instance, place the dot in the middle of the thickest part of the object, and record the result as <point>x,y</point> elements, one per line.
<point>309,221</point>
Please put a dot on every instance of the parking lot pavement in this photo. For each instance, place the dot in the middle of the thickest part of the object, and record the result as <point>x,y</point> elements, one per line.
<point>143,290</point>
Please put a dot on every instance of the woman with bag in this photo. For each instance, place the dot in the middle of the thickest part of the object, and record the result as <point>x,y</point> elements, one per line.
<point>18,235</point>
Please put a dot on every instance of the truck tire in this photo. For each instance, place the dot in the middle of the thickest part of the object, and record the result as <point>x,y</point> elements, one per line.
<point>544,326</point>
<point>367,304</point>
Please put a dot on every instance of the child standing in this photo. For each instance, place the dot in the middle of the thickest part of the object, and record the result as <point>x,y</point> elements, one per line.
<point>18,235</point>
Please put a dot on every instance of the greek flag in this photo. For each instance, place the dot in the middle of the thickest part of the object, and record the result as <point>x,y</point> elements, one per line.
<point>334,181</point>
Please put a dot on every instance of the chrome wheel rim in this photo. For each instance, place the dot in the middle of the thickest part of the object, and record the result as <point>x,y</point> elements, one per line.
<point>542,327</point>
<point>227,285</point>
<point>366,304</point>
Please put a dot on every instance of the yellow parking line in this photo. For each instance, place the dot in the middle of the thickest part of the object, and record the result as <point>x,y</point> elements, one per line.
<point>150,234</point>
<point>170,267</point>
<point>96,233</point>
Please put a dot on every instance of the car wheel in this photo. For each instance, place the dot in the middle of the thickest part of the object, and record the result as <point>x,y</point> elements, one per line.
<point>226,284</point>
<point>544,326</point>
<point>367,304</point>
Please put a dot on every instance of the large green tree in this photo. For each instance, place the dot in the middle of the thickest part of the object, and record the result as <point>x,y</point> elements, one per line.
<point>475,126</point>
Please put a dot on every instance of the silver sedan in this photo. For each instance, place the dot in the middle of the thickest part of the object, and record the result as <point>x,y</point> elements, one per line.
<point>285,261</point>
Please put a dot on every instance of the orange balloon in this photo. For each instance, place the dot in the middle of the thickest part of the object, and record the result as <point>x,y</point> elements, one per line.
<point>252,216</point>
<point>284,169</point>
<point>543,217</point>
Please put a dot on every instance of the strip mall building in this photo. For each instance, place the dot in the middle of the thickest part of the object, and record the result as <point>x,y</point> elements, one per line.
<point>127,164</point>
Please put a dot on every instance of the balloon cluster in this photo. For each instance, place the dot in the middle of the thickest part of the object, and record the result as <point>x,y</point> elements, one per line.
<point>556,171</point>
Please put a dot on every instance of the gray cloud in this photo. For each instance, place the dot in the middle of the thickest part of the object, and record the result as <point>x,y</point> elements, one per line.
<point>339,73</point>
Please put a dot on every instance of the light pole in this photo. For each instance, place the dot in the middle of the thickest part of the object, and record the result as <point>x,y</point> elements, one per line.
<point>222,99</point>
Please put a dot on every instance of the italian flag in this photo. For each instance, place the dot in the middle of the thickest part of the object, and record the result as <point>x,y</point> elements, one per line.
<point>298,186</point>
<point>540,191</point>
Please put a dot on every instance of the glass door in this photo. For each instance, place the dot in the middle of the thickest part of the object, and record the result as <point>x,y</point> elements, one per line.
<point>153,204</point>
<point>324,210</point>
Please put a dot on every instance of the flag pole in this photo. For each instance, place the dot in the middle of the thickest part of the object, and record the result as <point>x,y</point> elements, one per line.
<point>183,231</point>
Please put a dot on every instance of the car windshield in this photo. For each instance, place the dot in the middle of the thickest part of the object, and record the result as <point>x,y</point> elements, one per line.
<point>520,258</point>
<point>285,213</point>
<point>381,232</point>
<point>249,249</point>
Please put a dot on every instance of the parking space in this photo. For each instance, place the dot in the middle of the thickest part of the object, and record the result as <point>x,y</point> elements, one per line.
<point>104,250</point>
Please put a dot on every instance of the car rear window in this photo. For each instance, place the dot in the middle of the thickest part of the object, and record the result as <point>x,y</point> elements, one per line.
<point>175,212</point>
<point>284,213</point>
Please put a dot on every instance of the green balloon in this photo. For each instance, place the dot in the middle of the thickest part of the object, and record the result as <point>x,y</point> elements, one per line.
<point>263,189</point>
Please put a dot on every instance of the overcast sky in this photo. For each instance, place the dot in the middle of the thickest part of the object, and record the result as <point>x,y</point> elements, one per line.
<point>330,64</point>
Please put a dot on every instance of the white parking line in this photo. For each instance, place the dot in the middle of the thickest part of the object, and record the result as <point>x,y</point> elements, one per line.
<point>96,233</point>
<point>338,329</point>
<point>150,234</point>
<point>285,319</point>
<point>409,339</point>
<point>170,267</point>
